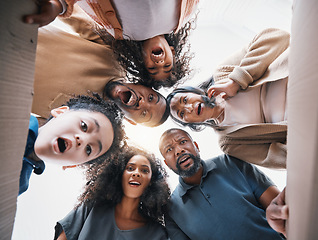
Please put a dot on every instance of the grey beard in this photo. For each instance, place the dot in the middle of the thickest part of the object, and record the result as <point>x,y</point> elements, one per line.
<point>193,169</point>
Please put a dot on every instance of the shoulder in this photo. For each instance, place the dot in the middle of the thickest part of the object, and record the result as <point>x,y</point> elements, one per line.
<point>157,230</point>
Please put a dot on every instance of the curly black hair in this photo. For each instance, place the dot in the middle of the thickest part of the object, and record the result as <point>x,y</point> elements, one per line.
<point>129,55</point>
<point>104,184</point>
<point>95,103</point>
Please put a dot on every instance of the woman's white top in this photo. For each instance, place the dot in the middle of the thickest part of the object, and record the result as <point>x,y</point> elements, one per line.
<point>261,104</point>
<point>144,19</point>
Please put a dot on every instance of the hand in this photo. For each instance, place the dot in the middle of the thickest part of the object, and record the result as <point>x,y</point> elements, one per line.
<point>228,87</point>
<point>48,11</point>
<point>277,213</point>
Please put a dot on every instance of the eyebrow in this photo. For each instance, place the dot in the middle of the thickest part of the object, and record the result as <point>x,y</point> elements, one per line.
<point>178,111</point>
<point>97,124</point>
<point>158,97</point>
<point>143,165</point>
<point>153,73</point>
<point>100,145</point>
<point>168,71</point>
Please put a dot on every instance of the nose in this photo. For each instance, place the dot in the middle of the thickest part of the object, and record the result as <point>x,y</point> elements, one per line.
<point>188,108</point>
<point>136,173</point>
<point>79,140</point>
<point>159,62</point>
<point>141,101</point>
<point>179,150</point>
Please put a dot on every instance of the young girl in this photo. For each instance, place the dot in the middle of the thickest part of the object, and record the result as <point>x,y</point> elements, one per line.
<point>87,129</point>
<point>151,36</point>
<point>124,198</point>
<point>252,121</point>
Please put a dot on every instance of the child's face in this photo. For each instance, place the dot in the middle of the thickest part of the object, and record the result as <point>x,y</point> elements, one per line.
<point>74,136</point>
<point>158,57</point>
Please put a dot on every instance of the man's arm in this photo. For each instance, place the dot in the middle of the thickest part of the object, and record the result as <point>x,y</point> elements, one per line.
<point>62,236</point>
<point>266,198</point>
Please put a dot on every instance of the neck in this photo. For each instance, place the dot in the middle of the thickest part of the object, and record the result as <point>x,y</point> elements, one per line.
<point>128,208</point>
<point>218,113</point>
<point>33,156</point>
<point>194,179</point>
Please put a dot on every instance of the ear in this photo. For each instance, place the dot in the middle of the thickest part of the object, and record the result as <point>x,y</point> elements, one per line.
<point>172,50</point>
<point>166,163</point>
<point>60,110</point>
<point>130,121</point>
<point>71,166</point>
<point>197,146</point>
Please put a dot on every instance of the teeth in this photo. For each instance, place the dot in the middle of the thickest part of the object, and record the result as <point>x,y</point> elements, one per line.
<point>126,96</point>
<point>135,183</point>
<point>184,160</point>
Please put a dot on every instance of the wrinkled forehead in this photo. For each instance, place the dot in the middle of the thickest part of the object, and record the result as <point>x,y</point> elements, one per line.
<point>173,135</point>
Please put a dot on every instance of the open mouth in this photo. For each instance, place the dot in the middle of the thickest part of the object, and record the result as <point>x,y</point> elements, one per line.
<point>127,97</point>
<point>134,183</point>
<point>199,108</point>
<point>157,52</point>
<point>183,160</point>
<point>62,144</point>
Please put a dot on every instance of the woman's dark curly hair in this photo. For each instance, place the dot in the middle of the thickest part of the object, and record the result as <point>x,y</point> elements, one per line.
<point>95,103</point>
<point>201,90</point>
<point>129,55</point>
<point>104,184</point>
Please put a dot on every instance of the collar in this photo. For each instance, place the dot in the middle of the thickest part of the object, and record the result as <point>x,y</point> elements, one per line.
<point>207,167</point>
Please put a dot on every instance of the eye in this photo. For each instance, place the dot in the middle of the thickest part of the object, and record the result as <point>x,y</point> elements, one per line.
<point>183,142</point>
<point>88,150</point>
<point>185,99</point>
<point>169,150</point>
<point>181,114</point>
<point>144,113</point>
<point>167,65</point>
<point>150,97</point>
<point>83,126</point>
<point>146,170</point>
<point>129,168</point>
<point>151,68</point>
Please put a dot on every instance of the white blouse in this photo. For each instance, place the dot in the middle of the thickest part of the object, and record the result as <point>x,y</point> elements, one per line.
<point>261,104</point>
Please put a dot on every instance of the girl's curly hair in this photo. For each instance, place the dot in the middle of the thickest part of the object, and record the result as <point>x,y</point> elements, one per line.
<point>129,55</point>
<point>104,184</point>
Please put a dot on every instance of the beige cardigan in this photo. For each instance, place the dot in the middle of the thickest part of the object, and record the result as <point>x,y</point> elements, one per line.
<point>265,59</point>
<point>67,64</point>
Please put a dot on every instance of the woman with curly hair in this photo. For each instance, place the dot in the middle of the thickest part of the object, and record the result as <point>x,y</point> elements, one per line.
<point>150,36</point>
<point>160,61</point>
<point>124,198</point>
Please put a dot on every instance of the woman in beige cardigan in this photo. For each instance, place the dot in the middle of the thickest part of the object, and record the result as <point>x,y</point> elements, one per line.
<point>150,37</point>
<point>247,104</point>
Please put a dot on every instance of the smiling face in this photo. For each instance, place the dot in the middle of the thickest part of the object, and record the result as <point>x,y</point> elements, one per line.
<point>74,137</point>
<point>139,103</point>
<point>180,152</point>
<point>158,57</point>
<point>136,177</point>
